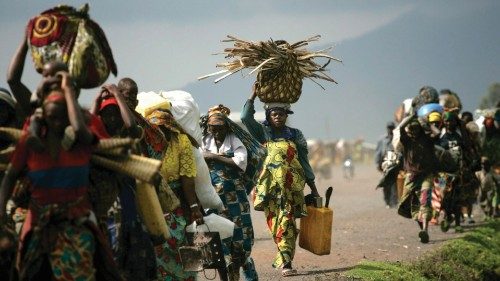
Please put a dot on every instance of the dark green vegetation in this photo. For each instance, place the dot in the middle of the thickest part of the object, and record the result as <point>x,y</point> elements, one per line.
<point>475,256</point>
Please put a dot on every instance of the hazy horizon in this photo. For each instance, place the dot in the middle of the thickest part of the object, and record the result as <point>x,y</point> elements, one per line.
<point>389,48</point>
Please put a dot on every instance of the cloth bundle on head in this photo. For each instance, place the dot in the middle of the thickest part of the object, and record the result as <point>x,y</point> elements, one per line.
<point>68,35</point>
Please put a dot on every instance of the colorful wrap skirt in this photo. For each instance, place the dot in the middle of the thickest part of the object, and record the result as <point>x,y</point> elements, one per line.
<point>280,194</point>
<point>168,260</point>
<point>230,186</point>
<point>61,242</point>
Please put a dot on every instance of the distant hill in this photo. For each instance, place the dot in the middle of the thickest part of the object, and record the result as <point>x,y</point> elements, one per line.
<point>381,69</point>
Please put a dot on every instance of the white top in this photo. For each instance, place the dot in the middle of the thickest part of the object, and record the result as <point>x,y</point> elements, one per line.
<point>231,143</point>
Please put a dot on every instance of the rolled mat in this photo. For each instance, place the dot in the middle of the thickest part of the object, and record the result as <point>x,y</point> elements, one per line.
<point>151,213</point>
<point>10,134</point>
<point>138,167</point>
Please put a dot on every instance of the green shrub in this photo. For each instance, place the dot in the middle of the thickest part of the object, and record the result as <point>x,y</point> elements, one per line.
<point>476,256</point>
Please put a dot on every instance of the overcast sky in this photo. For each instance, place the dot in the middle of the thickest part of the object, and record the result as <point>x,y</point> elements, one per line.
<point>166,45</point>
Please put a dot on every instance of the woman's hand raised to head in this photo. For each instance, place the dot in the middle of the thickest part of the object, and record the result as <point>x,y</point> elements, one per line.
<point>112,89</point>
<point>254,92</point>
<point>66,82</point>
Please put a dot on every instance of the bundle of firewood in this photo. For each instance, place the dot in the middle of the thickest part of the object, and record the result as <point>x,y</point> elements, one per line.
<point>281,66</point>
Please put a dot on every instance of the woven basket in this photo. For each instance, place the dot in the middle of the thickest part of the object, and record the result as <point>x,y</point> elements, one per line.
<point>283,85</point>
<point>138,167</point>
<point>280,66</point>
<point>10,134</point>
<point>112,143</point>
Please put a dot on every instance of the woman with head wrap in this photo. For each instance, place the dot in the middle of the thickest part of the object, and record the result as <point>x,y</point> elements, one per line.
<point>280,187</point>
<point>229,162</point>
<point>130,241</point>
<point>178,170</point>
<point>60,239</point>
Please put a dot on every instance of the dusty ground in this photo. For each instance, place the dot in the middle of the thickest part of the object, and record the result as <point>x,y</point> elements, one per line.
<point>362,229</point>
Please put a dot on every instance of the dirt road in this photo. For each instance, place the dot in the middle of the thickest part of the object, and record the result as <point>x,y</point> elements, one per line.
<point>362,229</point>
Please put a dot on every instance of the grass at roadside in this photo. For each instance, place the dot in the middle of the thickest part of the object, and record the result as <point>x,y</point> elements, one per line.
<point>475,256</point>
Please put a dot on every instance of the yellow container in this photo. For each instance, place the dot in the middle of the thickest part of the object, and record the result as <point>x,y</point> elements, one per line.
<point>150,210</point>
<point>316,230</point>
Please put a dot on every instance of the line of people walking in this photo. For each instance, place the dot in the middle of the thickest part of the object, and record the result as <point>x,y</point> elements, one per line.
<point>445,163</point>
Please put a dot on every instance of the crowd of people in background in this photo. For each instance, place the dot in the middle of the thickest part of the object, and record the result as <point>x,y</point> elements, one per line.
<point>438,162</point>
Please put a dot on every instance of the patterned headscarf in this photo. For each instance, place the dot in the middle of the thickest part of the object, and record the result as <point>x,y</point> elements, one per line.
<point>164,118</point>
<point>217,115</point>
<point>160,117</point>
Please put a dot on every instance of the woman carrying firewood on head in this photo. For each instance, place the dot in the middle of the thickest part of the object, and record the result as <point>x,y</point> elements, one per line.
<point>280,188</point>
<point>280,68</point>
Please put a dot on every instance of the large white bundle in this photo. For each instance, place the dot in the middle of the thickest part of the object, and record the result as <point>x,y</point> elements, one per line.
<point>185,111</point>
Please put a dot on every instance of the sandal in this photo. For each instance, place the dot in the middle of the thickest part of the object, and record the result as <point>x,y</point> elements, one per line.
<point>288,272</point>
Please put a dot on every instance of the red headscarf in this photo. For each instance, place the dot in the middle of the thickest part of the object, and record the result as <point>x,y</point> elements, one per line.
<point>108,102</point>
